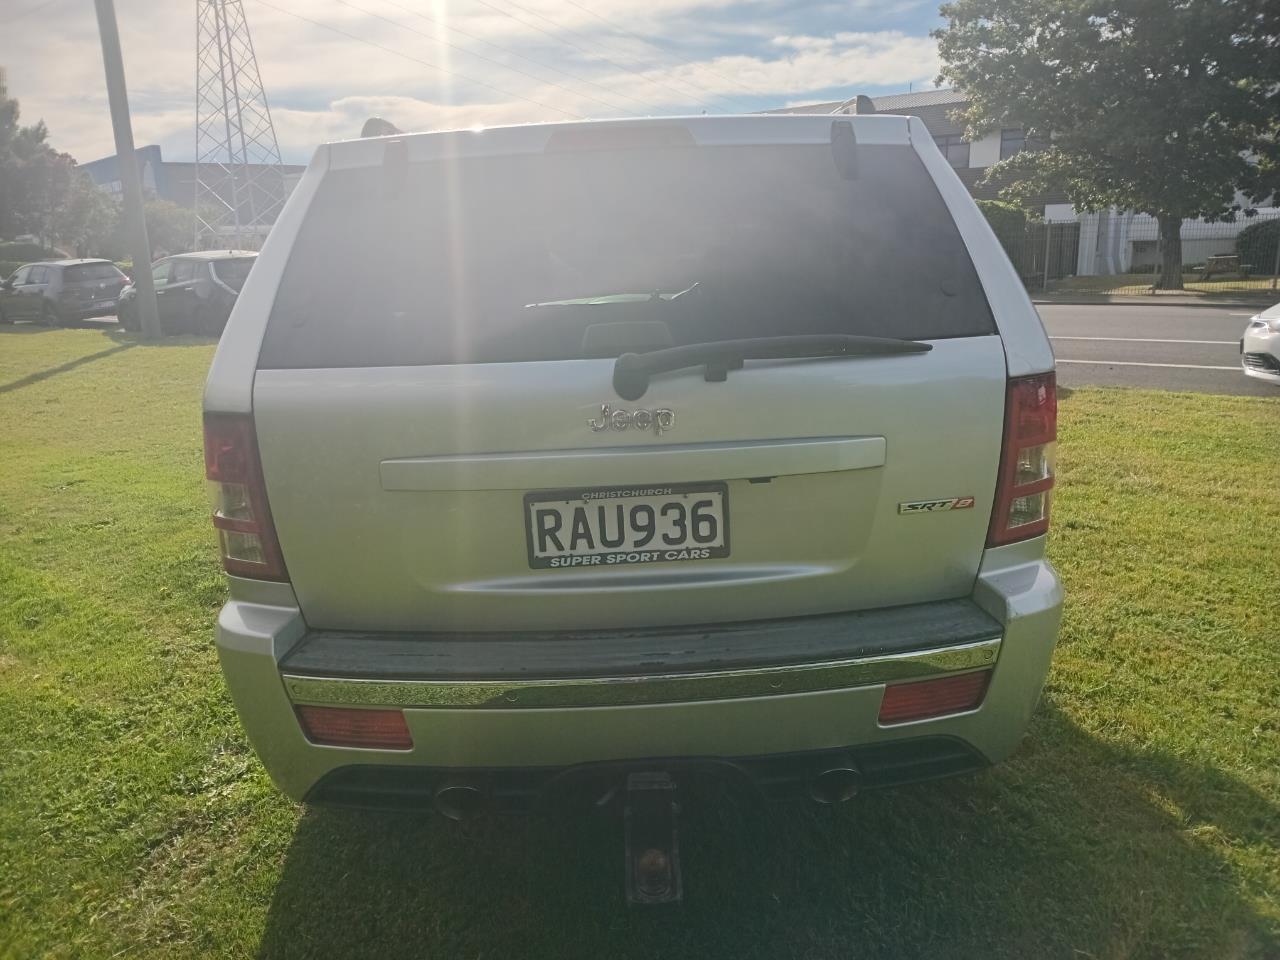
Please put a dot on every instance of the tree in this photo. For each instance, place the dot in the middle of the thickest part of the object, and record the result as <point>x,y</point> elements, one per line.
<point>31,175</point>
<point>41,192</point>
<point>1256,244</point>
<point>85,218</point>
<point>170,227</point>
<point>1165,107</point>
<point>1006,219</point>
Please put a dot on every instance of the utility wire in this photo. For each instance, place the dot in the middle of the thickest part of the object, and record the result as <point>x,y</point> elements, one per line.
<point>425,63</point>
<point>670,53</point>
<point>471,53</point>
<point>681,94</point>
<point>519,56</point>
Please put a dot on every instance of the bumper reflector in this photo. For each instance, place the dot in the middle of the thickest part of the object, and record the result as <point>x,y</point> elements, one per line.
<point>353,727</point>
<point>933,698</point>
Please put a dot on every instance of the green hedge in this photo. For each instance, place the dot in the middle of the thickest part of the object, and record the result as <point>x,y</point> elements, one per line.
<point>1256,245</point>
<point>14,254</point>
<point>26,252</point>
<point>1005,218</point>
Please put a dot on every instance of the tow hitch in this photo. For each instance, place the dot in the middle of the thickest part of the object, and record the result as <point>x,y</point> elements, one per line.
<point>652,843</point>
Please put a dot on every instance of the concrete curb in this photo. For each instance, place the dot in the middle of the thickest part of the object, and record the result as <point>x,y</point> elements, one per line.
<point>1135,301</point>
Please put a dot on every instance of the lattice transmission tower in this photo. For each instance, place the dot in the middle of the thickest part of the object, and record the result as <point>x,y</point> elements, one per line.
<point>239,179</point>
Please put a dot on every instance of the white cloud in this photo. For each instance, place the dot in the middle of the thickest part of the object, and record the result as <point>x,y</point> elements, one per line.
<point>845,60</point>
<point>323,85</point>
<point>804,43</point>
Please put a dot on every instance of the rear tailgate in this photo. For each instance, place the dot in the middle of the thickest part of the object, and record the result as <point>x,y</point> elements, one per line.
<point>394,511</point>
<point>436,454</point>
<point>92,284</point>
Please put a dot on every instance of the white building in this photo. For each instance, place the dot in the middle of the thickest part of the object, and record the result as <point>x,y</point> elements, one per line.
<point>1111,242</point>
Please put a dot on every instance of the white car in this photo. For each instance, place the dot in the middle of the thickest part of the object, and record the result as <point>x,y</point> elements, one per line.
<point>606,453</point>
<point>1260,346</point>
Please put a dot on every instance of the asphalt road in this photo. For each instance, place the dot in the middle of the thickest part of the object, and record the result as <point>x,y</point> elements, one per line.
<point>1157,347</point>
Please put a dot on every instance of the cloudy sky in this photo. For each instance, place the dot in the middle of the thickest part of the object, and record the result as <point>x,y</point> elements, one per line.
<point>430,64</point>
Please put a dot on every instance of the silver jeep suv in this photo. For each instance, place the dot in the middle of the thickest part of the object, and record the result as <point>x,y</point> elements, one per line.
<point>630,446</point>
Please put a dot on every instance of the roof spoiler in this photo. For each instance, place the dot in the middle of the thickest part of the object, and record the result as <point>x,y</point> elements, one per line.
<point>377,127</point>
<point>860,105</point>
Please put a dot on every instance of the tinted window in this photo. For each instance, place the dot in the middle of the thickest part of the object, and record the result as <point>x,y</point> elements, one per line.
<point>233,272</point>
<point>38,275</point>
<point>84,272</point>
<point>443,266</point>
<point>1012,141</point>
<point>160,272</point>
<point>955,148</point>
<point>185,270</point>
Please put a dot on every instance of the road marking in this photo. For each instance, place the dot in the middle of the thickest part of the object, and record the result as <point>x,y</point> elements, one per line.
<point>1223,343</point>
<point>1134,363</point>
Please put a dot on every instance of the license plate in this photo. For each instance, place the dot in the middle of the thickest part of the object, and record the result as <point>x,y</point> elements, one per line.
<point>613,526</point>
<point>98,304</point>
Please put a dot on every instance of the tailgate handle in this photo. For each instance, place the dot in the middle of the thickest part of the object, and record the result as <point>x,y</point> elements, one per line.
<point>687,463</point>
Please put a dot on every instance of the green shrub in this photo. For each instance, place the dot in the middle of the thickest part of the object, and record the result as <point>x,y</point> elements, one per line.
<point>1256,244</point>
<point>1006,219</point>
<point>26,252</point>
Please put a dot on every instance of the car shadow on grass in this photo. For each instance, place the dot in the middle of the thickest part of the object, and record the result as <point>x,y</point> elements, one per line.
<point>1073,849</point>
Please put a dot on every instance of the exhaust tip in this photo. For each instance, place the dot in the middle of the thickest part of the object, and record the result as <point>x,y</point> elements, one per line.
<point>835,785</point>
<point>459,800</point>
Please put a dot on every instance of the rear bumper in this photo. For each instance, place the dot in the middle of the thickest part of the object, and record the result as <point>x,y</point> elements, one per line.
<point>713,692</point>
<point>80,310</point>
<point>775,776</point>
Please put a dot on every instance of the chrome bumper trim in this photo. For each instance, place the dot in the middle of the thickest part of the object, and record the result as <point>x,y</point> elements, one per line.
<point>660,688</point>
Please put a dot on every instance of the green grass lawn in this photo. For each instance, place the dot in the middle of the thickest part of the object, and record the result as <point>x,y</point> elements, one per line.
<point>1140,818</point>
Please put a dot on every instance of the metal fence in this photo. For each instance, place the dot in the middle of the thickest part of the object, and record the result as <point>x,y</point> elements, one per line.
<point>1120,254</point>
<point>1043,252</point>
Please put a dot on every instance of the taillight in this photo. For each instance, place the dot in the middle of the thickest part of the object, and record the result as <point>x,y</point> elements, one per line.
<point>355,727</point>
<point>238,496</point>
<point>922,699</point>
<point>1025,483</point>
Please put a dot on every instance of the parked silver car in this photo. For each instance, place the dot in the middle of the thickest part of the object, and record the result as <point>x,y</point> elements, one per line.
<point>563,452</point>
<point>1260,346</point>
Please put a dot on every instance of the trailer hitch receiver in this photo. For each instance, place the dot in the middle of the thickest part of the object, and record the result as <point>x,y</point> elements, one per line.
<point>652,844</point>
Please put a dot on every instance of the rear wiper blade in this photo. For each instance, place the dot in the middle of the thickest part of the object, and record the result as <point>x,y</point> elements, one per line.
<point>609,299</point>
<point>631,371</point>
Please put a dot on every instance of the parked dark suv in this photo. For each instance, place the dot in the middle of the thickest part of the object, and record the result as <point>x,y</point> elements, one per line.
<point>61,291</point>
<point>194,291</point>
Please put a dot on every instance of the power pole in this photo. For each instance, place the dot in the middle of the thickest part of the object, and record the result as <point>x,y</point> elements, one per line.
<point>239,177</point>
<point>1275,270</point>
<point>126,159</point>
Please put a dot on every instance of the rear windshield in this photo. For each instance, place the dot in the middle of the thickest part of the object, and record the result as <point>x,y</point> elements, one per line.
<point>233,272</point>
<point>83,272</point>
<point>501,259</point>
